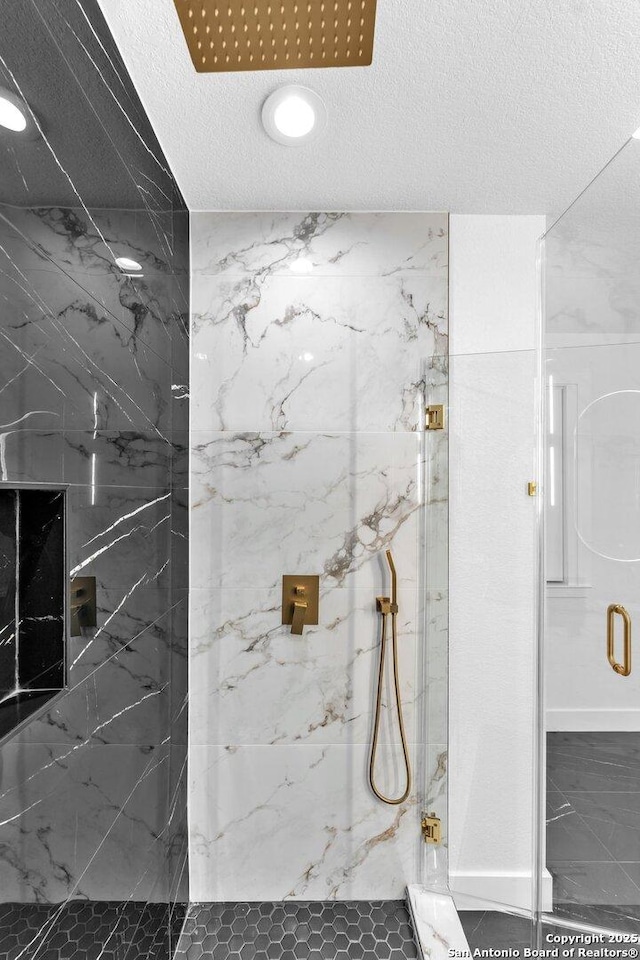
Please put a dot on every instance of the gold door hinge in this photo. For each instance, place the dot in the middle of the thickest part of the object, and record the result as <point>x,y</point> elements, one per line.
<point>434,416</point>
<point>431,829</point>
<point>532,488</point>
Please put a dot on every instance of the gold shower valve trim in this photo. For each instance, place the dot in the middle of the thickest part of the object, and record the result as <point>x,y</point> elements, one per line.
<point>82,605</point>
<point>300,601</point>
<point>232,35</point>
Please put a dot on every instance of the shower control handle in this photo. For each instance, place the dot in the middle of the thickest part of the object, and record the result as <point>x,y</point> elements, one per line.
<point>300,601</point>
<point>82,605</point>
<point>299,613</point>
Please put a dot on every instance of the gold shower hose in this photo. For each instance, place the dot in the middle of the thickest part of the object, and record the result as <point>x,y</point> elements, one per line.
<point>386,607</point>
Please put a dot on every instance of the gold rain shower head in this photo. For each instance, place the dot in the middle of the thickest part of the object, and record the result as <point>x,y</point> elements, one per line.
<point>231,35</point>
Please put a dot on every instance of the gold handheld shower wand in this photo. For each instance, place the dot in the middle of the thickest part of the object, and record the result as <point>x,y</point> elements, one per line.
<point>394,581</point>
<point>389,607</point>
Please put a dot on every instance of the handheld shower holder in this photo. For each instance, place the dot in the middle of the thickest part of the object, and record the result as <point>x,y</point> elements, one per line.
<point>383,605</point>
<point>389,606</point>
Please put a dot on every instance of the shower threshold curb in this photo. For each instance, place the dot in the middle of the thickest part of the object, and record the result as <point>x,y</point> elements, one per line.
<point>436,923</point>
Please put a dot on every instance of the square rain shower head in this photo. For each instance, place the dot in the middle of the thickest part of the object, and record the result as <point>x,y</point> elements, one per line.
<point>231,35</point>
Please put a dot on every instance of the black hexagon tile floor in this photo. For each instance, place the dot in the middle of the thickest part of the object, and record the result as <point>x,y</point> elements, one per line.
<point>89,930</point>
<point>347,930</point>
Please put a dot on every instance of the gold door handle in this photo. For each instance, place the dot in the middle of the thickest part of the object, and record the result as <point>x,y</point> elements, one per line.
<point>299,613</point>
<point>624,669</point>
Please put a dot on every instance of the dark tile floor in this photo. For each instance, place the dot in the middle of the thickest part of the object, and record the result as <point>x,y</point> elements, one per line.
<point>89,930</point>
<point>593,827</point>
<point>593,840</point>
<point>502,931</point>
<point>351,930</point>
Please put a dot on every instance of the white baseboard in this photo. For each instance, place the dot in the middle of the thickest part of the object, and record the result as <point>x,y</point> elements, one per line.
<point>582,721</point>
<point>490,891</point>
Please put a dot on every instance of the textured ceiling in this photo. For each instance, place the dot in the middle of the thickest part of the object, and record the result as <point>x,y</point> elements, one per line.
<point>500,106</point>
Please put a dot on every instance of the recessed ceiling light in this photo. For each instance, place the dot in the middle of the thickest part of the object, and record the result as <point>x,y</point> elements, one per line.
<point>294,115</point>
<point>127,265</point>
<point>16,116</point>
<point>636,134</point>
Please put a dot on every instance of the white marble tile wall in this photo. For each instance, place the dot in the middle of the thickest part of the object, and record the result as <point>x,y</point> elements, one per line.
<point>315,338</point>
<point>592,277</point>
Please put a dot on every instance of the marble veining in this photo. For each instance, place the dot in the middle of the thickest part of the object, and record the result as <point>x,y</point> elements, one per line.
<point>87,929</point>
<point>593,826</point>
<point>306,808</point>
<point>592,283</point>
<point>315,353</point>
<point>354,495</point>
<point>316,340</point>
<point>66,328</point>
<point>94,397</point>
<point>337,244</point>
<point>437,924</point>
<point>320,691</point>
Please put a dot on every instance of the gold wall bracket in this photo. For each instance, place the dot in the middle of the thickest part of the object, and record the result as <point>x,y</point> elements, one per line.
<point>82,606</point>
<point>434,416</point>
<point>431,828</point>
<point>300,601</point>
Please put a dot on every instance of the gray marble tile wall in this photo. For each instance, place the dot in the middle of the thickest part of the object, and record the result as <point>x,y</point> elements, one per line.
<point>315,337</point>
<point>94,396</point>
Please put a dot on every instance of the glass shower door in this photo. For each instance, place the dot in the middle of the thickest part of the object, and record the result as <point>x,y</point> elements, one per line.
<point>591,709</point>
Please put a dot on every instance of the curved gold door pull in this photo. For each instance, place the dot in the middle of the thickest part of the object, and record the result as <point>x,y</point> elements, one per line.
<point>624,669</point>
